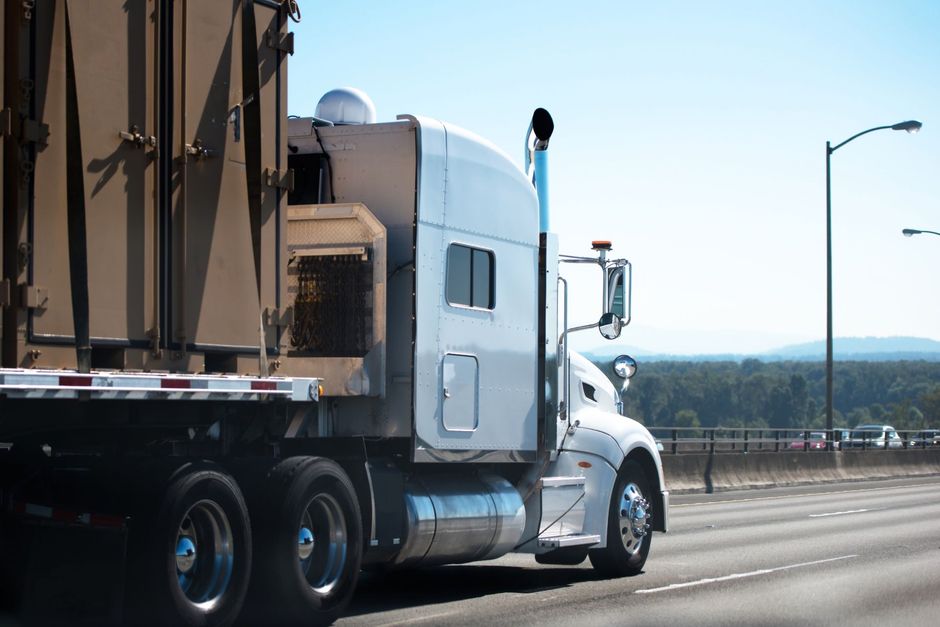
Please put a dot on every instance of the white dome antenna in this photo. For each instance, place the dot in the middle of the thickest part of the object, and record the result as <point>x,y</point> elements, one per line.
<point>346,105</point>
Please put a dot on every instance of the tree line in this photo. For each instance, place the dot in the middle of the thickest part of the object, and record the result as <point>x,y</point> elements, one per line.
<point>783,395</point>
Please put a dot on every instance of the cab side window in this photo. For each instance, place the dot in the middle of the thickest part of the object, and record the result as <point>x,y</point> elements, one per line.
<point>470,277</point>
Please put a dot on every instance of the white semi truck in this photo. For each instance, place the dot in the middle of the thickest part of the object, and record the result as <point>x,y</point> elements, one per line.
<point>267,352</point>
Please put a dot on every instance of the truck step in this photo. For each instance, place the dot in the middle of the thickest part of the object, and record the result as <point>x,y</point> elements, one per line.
<point>561,542</point>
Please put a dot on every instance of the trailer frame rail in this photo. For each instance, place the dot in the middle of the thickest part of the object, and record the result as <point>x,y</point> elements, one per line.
<point>63,384</point>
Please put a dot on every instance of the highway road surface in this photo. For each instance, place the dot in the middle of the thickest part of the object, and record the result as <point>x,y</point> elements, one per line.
<point>844,554</point>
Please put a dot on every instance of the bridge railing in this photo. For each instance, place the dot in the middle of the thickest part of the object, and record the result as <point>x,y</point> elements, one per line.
<point>677,440</point>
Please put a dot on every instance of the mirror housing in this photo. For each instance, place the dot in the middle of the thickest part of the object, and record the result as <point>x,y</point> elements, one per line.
<point>619,291</point>
<point>610,325</point>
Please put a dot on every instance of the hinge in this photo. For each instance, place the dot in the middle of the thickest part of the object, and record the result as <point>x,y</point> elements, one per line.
<point>6,122</point>
<point>5,293</point>
<point>282,180</point>
<point>284,43</point>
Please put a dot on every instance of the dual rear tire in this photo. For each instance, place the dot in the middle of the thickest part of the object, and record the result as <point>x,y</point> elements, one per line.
<point>195,557</point>
<point>190,557</point>
<point>307,534</point>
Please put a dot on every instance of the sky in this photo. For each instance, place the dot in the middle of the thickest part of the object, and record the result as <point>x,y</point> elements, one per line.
<point>692,135</point>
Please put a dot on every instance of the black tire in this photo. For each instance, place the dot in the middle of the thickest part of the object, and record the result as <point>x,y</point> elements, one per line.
<point>202,514</point>
<point>308,544</point>
<point>626,550</point>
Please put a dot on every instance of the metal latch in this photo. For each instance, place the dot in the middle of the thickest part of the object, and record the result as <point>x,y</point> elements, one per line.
<point>134,136</point>
<point>196,149</point>
<point>34,296</point>
<point>282,180</point>
<point>283,42</point>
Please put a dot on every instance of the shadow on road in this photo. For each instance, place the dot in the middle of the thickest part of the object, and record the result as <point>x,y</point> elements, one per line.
<point>378,592</point>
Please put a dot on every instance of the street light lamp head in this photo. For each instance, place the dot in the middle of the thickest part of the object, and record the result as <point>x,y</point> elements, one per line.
<point>910,232</point>
<point>911,126</point>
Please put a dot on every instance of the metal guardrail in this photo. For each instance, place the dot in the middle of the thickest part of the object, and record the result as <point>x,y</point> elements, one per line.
<point>678,440</point>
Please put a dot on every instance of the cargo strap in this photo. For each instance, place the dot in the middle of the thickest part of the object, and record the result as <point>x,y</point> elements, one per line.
<point>75,194</point>
<point>251,112</point>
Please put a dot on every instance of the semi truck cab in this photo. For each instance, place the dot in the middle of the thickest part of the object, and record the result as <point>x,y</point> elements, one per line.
<point>478,366</point>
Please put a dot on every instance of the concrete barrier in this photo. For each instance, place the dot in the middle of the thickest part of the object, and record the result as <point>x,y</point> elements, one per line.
<point>714,472</point>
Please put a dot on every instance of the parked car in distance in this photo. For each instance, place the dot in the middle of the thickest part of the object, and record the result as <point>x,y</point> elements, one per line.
<point>927,437</point>
<point>815,441</point>
<point>873,436</point>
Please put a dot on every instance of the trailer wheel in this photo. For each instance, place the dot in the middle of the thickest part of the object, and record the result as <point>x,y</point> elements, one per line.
<point>190,562</point>
<point>308,539</point>
<point>628,535</point>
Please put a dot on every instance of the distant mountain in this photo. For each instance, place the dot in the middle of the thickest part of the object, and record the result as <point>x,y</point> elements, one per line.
<point>844,348</point>
<point>889,348</point>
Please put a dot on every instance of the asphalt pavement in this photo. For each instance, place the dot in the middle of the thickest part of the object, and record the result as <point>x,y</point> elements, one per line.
<point>864,553</point>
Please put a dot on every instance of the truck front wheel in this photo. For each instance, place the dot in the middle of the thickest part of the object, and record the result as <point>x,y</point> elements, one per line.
<point>628,535</point>
<point>308,543</point>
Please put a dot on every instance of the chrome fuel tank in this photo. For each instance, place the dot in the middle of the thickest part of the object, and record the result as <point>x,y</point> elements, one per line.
<point>452,519</point>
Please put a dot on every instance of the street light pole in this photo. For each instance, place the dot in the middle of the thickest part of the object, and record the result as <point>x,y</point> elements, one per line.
<point>829,379</point>
<point>911,126</point>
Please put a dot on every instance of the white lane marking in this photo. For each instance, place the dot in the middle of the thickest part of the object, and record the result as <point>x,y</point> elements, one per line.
<point>755,573</point>
<point>795,496</point>
<point>419,619</point>
<point>851,511</point>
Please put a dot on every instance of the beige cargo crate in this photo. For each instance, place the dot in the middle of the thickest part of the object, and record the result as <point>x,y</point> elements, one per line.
<point>164,114</point>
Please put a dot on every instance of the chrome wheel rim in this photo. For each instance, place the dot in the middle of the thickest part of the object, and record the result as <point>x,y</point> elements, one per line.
<point>634,514</point>
<point>204,554</point>
<point>322,543</point>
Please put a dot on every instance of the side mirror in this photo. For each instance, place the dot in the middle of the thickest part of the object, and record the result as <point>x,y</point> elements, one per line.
<point>610,325</point>
<point>619,280</point>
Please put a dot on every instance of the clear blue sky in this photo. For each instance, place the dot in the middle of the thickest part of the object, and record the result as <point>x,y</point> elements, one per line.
<point>692,134</point>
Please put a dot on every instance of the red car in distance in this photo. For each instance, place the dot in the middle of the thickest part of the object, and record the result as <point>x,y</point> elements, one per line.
<point>815,442</point>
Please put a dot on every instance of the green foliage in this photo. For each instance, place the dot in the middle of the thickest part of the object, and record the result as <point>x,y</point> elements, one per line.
<point>686,418</point>
<point>905,394</point>
<point>929,403</point>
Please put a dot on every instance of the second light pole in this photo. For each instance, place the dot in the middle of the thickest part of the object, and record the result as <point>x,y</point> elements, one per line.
<point>911,126</point>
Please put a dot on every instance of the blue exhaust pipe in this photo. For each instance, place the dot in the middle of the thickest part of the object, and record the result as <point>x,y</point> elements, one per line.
<point>542,127</point>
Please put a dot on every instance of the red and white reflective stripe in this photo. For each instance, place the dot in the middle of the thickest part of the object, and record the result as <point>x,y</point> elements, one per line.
<point>69,517</point>
<point>23,383</point>
<point>72,380</point>
<point>178,384</point>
